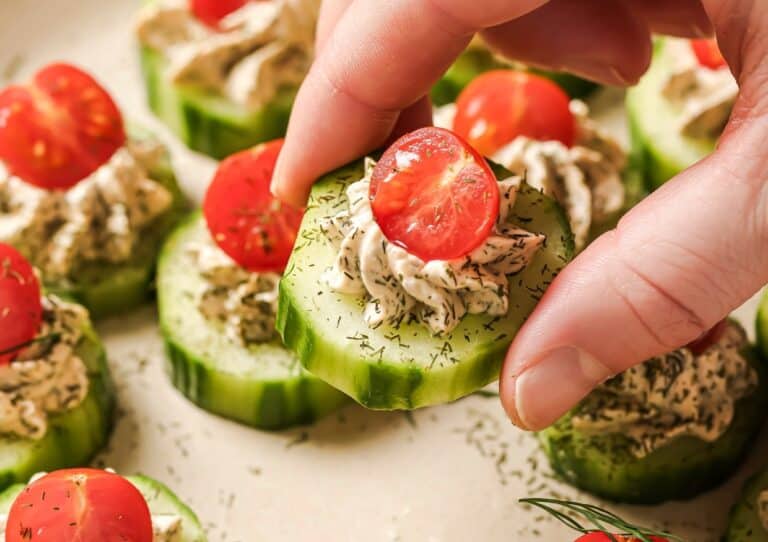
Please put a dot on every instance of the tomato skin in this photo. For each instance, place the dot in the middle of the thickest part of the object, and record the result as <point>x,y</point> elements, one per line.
<point>80,505</point>
<point>247,222</point>
<point>21,311</point>
<point>434,195</point>
<point>58,129</point>
<point>500,105</point>
<point>708,53</point>
<point>603,537</point>
<point>700,345</point>
<point>211,12</point>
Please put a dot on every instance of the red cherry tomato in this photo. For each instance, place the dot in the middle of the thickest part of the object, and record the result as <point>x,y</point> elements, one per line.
<point>21,311</point>
<point>434,195</point>
<point>708,338</point>
<point>58,129</point>
<point>603,537</point>
<point>80,505</point>
<point>708,53</point>
<point>501,105</point>
<point>211,12</point>
<point>246,221</point>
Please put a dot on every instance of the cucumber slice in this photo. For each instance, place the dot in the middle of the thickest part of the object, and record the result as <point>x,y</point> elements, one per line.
<point>160,499</point>
<point>687,466</point>
<point>263,386</point>
<point>209,123</point>
<point>405,367</point>
<point>744,524</point>
<point>73,437</point>
<point>762,326</point>
<point>652,119</point>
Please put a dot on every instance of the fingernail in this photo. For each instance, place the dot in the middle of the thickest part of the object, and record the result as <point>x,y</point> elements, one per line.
<point>553,384</point>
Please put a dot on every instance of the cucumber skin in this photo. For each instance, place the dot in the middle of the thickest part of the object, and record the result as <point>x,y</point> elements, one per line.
<point>383,384</point>
<point>73,437</point>
<point>603,466</point>
<point>263,404</point>
<point>198,125</point>
<point>744,523</point>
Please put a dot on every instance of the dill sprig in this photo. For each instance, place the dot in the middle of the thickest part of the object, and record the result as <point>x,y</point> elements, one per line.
<point>51,338</point>
<point>603,521</point>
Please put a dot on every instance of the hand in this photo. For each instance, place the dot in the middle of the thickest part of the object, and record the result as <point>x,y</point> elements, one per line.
<point>674,266</point>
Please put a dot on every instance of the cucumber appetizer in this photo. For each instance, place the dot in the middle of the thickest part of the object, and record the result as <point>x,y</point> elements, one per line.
<point>223,74</point>
<point>528,124</point>
<point>670,428</point>
<point>680,107</point>
<point>85,203</point>
<point>749,517</point>
<point>217,291</point>
<point>411,275</point>
<point>89,505</point>
<point>56,396</point>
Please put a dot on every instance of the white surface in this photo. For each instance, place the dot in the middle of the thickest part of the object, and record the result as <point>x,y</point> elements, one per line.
<point>451,473</point>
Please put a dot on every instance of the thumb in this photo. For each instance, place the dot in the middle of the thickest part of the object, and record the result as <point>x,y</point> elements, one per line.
<point>674,266</point>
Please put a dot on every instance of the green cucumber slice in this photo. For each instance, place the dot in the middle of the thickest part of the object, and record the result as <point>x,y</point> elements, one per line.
<point>404,368</point>
<point>604,466</point>
<point>652,119</point>
<point>73,437</point>
<point>744,524</point>
<point>762,326</point>
<point>209,123</point>
<point>263,386</point>
<point>160,499</point>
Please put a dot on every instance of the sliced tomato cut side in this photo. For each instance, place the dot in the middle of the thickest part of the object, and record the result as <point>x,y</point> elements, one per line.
<point>708,53</point>
<point>247,222</point>
<point>434,195</point>
<point>211,12</point>
<point>21,311</point>
<point>501,105</point>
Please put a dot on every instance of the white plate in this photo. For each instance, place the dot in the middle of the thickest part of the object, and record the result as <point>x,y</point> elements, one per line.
<point>451,473</point>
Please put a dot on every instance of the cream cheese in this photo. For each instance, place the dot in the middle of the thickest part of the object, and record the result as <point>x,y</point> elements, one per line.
<point>256,51</point>
<point>243,302</point>
<point>704,97</point>
<point>99,219</point>
<point>47,377</point>
<point>399,286</point>
<point>678,394</point>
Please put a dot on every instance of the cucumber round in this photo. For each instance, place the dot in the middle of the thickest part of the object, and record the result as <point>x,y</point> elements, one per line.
<point>160,499</point>
<point>604,465</point>
<point>744,524</point>
<point>653,121</point>
<point>405,367</point>
<point>263,386</point>
<point>73,437</point>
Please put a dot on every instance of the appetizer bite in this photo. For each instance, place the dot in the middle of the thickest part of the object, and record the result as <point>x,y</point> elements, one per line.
<point>749,517</point>
<point>217,290</point>
<point>87,204</point>
<point>680,107</point>
<point>223,74</point>
<point>670,428</point>
<point>528,124</point>
<point>90,505</point>
<point>56,397</point>
<point>412,274</point>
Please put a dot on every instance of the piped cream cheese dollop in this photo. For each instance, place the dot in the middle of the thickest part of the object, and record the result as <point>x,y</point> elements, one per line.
<point>47,377</point>
<point>99,219</point>
<point>257,49</point>
<point>399,286</point>
<point>678,394</point>
<point>705,97</point>
<point>242,301</point>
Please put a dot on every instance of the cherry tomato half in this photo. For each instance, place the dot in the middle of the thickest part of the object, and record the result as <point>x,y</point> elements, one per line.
<point>21,311</point>
<point>708,338</point>
<point>434,195</point>
<point>80,505</point>
<point>58,129</point>
<point>708,53</point>
<point>603,537</point>
<point>211,12</point>
<point>501,105</point>
<point>246,221</point>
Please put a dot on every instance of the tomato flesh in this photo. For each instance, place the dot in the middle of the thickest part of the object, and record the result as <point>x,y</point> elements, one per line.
<point>434,195</point>
<point>211,12</point>
<point>708,53</point>
<point>708,338</point>
<point>80,505</point>
<point>58,129</point>
<point>501,105</point>
<point>247,222</point>
<point>21,311</point>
